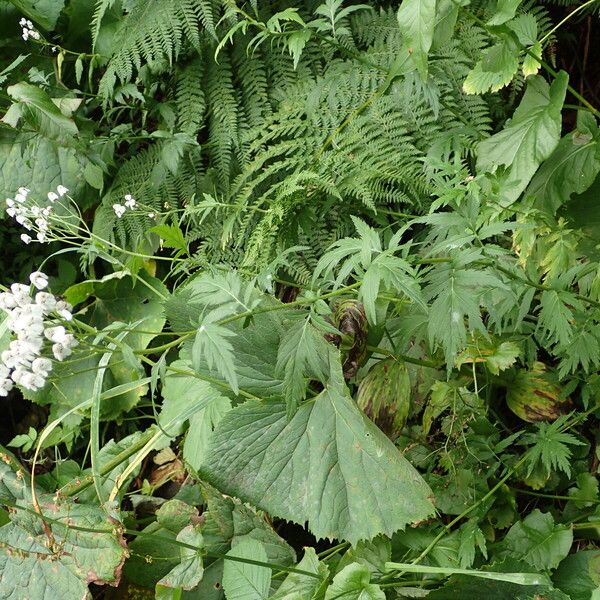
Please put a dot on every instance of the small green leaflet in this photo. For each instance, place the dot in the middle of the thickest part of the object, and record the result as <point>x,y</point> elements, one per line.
<point>556,317</point>
<point>376,266</point>
<point>529,138</point>
<point>505,11</point>
<point>353,583</point>
<point>188,573</point>
<point>550,448</point>
<point>323,466</point>
<point>456,294</point>
<point>212,345</point>
<point>244,581</point>
<point>495,70</point>
<point>396,274</point>
<point>417,20</point>
<point>171,236</point>
<point>300,587</point>
<point>303,353</point>
<point>538,541</point>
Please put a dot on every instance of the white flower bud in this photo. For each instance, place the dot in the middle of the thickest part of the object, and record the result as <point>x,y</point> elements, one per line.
<point>39,280</point>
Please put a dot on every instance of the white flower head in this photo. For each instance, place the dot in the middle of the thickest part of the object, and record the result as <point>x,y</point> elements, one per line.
<point>61,351</point>
<point>56,334</point>
<point>61,190</point>
<point>46,301</point>
<point>119,210</point>
<point>39,280</point>
<point>5,386</point>
<point>23,22</point>
<point>52,196</point>
<point>130,201</point>
<point>42,366</point>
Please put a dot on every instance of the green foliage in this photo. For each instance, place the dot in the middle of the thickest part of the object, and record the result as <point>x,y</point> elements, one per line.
<point>337,260</point>
<point>329,443</point>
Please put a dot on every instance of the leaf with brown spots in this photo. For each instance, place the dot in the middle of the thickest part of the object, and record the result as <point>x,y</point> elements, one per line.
<point>57,558</point>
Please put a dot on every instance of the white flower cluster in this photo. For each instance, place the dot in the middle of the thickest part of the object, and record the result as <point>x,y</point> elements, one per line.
<point>28,30</point>
<point>120,209</point>
<point>23,362</point>
<point>33,218</point>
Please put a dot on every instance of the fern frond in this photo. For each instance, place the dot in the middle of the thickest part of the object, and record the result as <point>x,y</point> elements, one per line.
<point>152,31</point>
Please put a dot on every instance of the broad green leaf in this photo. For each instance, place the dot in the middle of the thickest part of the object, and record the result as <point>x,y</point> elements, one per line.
<point>323,466</point>
<point>37,108</point>
<point>529,138</point>
<point>570,169</point>
<point>525,28</point>
<point>495,69</point>
<point>353,583</point>
<point>43,12</point>
<point>182,391</point>
<point>243,581</point>
<point>300,587</point>
<point>578,575</point>
<point>228,520</point>
<point>417,20</point>
<point>38,162</point>
<point>32,567</point>
<point>472,588</point>
<point>188,573</point>
<point>372,554</point>
<point>539,541</point>
<point>201,429</point>
<point>505,11</point>
<point>172,517</point>
<point>445,23</point>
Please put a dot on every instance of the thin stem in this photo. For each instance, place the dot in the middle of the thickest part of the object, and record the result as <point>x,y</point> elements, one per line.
<point>569,16</point>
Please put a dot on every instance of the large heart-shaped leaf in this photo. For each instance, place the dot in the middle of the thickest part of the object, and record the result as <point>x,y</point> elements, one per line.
<point>328,465</point>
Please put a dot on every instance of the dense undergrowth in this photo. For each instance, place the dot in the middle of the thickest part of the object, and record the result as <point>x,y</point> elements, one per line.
<point>301,300</point>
